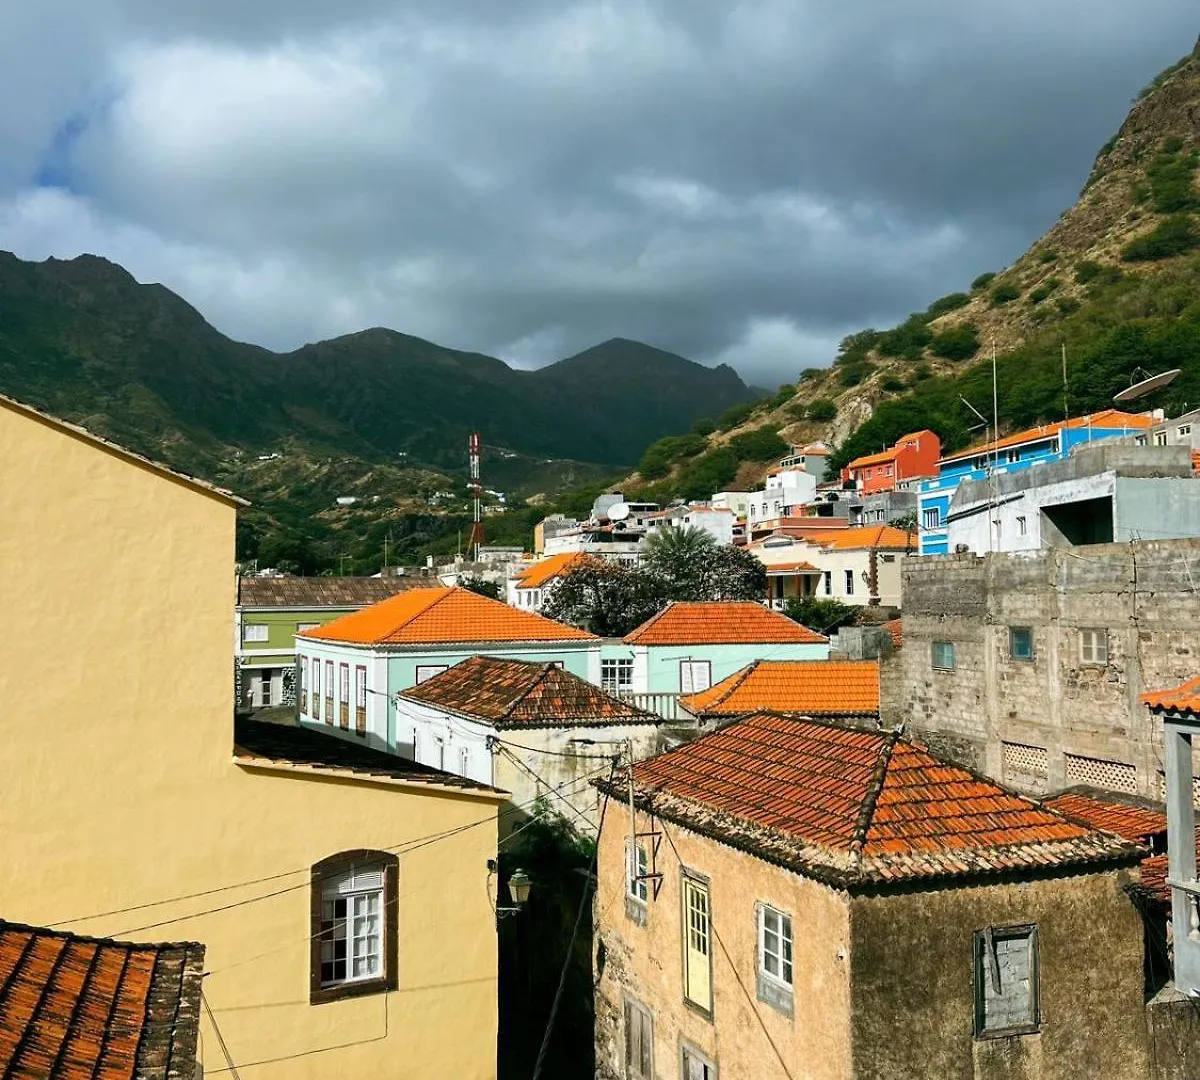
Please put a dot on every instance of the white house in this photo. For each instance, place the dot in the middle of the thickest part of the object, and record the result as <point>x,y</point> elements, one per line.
<point>533,728</point>
<point>532,584</point>
<point>785,487</point>
<point>351,669</point>
<point>717,521</point>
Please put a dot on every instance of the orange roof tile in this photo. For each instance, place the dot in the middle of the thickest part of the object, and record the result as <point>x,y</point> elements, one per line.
<point>75,1008</point>
<point>811,687</point>
<point>721,622</point>
<point>517,693</point>
<point>1153,878</point>
<point>442,616</point>
<point>791,568</point>
<point>1110,418</point>
<point>857,807</point>
<point>1181,699</point>
<point>1101,811</point>
<point>889,454</point>
<point>535,576</point>
<point>860,538</point>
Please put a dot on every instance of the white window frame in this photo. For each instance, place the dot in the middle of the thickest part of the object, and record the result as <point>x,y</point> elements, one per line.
<point>688,670</point>
<point>1183,431</point>
<point>1022,525</point>
<point>1093,647</point>
<point>315,695</point>
<point>301,627</point>
<point>255,633</point>
<point>931,518</point>
<point>637,866</point>
<point>785,957</point>
<point>933,656</point>
<point>619,678</point>
<point>1160,438</point>
<point>360,887</point>
<point>828,582</point>
<point>425,672</point>
<point>848,578</point>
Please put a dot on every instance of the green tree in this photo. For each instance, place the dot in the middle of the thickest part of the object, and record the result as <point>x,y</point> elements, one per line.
<point>483,588</point>
<point>678,557</point>
<point>820,615</point>
<point>822,409</point>
<point>732,573</point>
<point>608,599</point>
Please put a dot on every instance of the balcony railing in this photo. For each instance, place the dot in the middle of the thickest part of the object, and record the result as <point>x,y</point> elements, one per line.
<point>663,704</point>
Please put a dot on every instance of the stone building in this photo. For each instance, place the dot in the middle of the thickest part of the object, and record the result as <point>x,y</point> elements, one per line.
<point>796,898</point>
<point>1031,666</point>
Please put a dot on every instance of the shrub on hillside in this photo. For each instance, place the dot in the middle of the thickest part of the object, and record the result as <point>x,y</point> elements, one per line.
<point>762,444</point>
<point>892,385</point>
<point>821,410</point>
<point>1044,290</point>
<point>808,374</point>
<point>1048,255</point>
<point>983,281</point>
<point>661,455</point>
<point>956,343</point>
<point>1087,271</point>
<point>785,394</point>
<point>853,374</point>
<point>704,427</point>
<point>734,415</point>
<point>908,339</point>
<point>1173,236</point>
<point>1171,176</point>
<point>1004,293</point>
<point>947,303</point>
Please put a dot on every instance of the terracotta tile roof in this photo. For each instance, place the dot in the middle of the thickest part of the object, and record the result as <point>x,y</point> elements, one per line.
<point>1106,418</point>
<point>1196,462</point>
<point>80,1008</point>
<point>1180,699</point>
<point>791,568</point>
<point>1153,882</point>
<point>810,687</point>
<point>861,538</point>
<point>721,622</point>
<point>517,693</point>
<point>1101,810</point>
<point>82,433</point>
<point>318,592</point>
<point>442,616</point>
<point>896,629</point>
<point>857,807</point>
<point>535,576</point>
<point>266,743</point>
<point>874,459</point>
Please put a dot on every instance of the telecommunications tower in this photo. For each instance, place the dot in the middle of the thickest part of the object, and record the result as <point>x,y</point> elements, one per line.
<point>476,489</point>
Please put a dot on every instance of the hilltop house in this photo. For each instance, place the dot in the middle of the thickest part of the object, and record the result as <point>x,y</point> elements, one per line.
<point>911,456</point>
<point>687,647</point>
<point>1050,442</point>
<point>145,813</point>
<point>530,588</point>
<point>795,898</point>
<point>271,610</point>
<point>351,669</point>
<point>532,729</point>
<point>845,690</point>
<point>858,566</point>
<point>785,487</point>
<point>813,458</point>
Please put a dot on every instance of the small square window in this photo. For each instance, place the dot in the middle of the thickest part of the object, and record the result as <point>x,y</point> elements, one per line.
<point>931,518</point>
<point>1020,642</point>
<point>254,632</point>
<point>1093,646</point>
<point>942,655</point>
<point>1006,978</point>
<point>1184,431</point>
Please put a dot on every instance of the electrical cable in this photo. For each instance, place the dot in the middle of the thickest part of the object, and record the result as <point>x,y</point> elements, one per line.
<point>583,903</point>
<point>538,780</point>
<point>220,1038</point>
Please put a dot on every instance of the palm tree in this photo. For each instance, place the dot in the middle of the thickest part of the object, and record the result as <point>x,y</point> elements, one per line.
<point>681,558</point>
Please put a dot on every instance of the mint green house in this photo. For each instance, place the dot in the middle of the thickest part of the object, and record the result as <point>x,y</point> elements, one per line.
<point>351,670</point>
<point>270,612</point>
<point>687,647</point>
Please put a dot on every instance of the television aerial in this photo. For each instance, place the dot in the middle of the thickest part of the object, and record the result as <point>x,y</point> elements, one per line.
<point>618,511</point>
<point>1147,384</point>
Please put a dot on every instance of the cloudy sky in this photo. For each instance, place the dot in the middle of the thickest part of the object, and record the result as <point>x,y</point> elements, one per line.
<point>738,181</point>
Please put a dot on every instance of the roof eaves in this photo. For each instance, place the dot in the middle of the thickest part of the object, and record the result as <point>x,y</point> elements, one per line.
<point>635,634</point>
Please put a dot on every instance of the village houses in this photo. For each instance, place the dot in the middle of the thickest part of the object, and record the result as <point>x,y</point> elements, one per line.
<point>280,850</point>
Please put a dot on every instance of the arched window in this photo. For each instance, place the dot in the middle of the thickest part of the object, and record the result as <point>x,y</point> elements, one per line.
<point>354,896</point>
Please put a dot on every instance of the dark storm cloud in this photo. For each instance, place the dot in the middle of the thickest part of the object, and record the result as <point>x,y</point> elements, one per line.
<point>745,182</point>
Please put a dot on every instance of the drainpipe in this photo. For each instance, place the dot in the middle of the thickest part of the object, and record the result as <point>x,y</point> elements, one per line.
<point>873,578</point>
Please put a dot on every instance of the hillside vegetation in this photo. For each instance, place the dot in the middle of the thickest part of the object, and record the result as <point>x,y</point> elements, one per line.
<point>1116,281</point>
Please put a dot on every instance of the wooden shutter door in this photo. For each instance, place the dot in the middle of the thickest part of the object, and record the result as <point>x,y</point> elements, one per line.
<point>697,943</point>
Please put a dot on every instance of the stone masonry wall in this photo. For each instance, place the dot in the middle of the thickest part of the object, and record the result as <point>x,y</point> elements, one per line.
<point>1055,720</point>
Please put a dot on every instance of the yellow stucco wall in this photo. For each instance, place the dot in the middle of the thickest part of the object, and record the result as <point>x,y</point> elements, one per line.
<point>645,962</point>
<point>117,786</point>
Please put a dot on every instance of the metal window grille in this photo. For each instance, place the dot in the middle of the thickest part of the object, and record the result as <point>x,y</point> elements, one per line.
<point>1023,760</point>
<point>1112,775</point>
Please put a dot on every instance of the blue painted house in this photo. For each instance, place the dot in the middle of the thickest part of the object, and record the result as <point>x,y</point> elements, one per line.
<point>1050,442</point>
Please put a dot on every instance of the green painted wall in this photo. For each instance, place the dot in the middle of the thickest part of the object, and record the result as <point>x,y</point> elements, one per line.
<point>281,626</point>
<point>663,660</point>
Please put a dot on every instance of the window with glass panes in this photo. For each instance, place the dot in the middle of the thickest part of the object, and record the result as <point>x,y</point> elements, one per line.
<point>316,690</point>
<point>360,700</point>
<point>637,866</point>
<point>354,915</point>
<point>775,944</point>
<point>329,691</point>
<point>1093,646</point>
<point>616,676</point>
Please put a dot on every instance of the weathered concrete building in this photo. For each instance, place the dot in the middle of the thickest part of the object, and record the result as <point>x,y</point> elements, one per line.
<point>1032,666</point>
<point>801,899</point>
<point>1104,492</point>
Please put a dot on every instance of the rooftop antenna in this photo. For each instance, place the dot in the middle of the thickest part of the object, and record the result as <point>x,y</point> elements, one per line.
<point>475,540</point>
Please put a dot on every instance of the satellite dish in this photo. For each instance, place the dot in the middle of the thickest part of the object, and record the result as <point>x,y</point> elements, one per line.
<point>618,511</point>
<point>1147,385</point>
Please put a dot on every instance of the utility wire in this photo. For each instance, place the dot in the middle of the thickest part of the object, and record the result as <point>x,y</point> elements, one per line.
<point>220,1038</point>
<point>583,903</point>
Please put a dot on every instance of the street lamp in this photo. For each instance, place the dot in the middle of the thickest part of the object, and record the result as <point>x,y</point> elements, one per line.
<point>519,886</point>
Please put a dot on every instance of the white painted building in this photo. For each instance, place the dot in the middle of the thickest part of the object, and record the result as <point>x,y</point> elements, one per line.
<point>784,488</point>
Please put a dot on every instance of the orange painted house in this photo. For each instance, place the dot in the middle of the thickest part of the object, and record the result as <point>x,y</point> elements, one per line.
<point>912,456</point>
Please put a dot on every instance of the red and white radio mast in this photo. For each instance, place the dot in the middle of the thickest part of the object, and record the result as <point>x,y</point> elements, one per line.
<point>476,489</point>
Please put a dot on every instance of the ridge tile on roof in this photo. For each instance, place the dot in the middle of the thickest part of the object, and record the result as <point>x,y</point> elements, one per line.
<point>518,693</point>
<point>442,616</point>
<point>721,622</point>
<point>857,807</point>
<point>811,687</point>
<point>76,1008</point>
<point>1179,699</point>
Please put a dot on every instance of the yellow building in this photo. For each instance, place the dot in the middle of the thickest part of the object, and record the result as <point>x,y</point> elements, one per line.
<point>343,894</point>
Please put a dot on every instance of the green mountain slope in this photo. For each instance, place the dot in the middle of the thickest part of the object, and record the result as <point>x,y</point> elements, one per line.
<point>1116,281</point>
